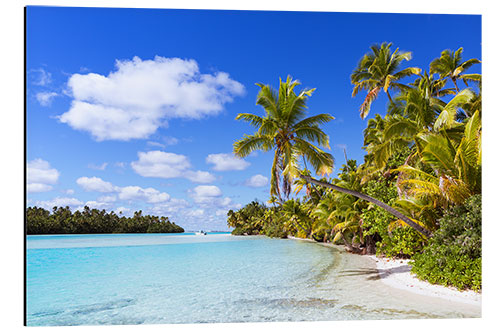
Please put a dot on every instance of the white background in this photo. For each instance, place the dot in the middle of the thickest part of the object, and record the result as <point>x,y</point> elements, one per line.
<point>12,161</point>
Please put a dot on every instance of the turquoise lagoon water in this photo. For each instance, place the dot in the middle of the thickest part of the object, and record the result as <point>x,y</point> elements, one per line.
<point>185,278</point>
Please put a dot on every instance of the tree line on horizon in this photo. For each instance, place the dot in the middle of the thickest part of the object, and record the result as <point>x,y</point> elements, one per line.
<point>61,220</point>
<point>417,193</point>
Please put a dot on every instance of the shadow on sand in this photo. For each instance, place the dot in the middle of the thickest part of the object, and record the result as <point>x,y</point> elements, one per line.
<point>376,274</point>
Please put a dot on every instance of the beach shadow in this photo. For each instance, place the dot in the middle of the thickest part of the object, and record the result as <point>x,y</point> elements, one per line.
<point>376,274</point>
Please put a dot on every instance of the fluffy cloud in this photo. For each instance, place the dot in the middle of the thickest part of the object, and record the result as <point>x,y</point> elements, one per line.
<point>59,202</point>
<point>173,206</point>
<point>96,205</point>
<point>127,193</point>
<point>197,213</point>
<point>96,184</point>
<point>209,196</point>
<point>107,198</point>
<point>226,162</point>
<point>161,164</point>
<point>41,176</point>
<point>124,211</point>
<point>137,98</point>
<point>257,181</point>
<point>45,98</point>
<point>145,194</point>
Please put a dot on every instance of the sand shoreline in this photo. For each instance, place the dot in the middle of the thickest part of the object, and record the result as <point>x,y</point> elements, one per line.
<point>396,274</point>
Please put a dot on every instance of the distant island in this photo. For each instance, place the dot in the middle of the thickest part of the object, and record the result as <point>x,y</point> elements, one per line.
<point>62,220</point>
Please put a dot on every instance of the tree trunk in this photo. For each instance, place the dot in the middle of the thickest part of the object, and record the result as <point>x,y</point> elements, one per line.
<point>349,246</point>
<point>370,244</point>
<point>389,95</point>
<point>382,205</point>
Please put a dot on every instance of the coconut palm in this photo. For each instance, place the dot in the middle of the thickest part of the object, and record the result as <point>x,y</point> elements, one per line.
<point>455,173</point>
<point>297,214</point>
<point>450,66</point>
<point>377,70</point>
<point>285,129</point>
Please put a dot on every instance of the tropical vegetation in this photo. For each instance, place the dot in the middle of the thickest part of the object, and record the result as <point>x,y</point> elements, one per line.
<point>61,220</point>
<point>417,193</point>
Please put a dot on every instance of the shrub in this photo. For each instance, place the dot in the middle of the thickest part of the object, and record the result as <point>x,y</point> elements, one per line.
<point>399,242</point>
<point>453,256</point>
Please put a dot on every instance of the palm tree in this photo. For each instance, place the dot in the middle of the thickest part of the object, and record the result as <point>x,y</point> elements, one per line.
<point>285,130</point>
<point>455,166</point>
<point>296,213</point>
<point>379,69</point>
<point>450,65</point>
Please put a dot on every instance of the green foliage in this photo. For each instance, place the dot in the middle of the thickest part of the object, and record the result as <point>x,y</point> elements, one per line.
<point>396,241</point>
<point>247,220</point>
<point>453,256</point>
<point>63,221</point>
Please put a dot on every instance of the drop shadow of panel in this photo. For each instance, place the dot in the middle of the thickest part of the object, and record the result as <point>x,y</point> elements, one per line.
<point>376,274</point>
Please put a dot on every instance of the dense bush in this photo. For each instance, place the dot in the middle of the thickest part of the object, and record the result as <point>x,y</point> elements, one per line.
<point>394,242</point>
<point>453,256</point>
<point>92,221</point>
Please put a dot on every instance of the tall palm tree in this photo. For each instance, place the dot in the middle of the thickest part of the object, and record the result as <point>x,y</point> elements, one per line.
<point>380,69</point>
<point>450,65</point>
<point>285,129</point>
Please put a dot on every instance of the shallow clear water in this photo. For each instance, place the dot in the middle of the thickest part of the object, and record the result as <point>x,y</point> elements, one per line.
<point>184,278</point>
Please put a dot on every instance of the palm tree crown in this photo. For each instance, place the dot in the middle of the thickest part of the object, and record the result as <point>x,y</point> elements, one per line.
<point>450,65</point>
<point>379,69</point>
<point>287,131</point>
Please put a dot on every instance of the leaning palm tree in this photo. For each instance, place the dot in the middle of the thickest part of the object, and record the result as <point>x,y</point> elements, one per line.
<point>380,69</point>
<point>450,65</point>
<point>285,129</point>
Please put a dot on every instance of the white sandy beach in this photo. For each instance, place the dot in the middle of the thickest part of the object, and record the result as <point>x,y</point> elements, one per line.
<point>396,274</point>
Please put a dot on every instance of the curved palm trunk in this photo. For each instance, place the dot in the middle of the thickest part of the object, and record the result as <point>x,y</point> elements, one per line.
<point>382,205</point>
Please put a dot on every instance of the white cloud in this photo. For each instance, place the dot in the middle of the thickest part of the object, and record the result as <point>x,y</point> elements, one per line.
<point>145,194</point>
<point>69,191</point>
<point>155,144</point>
<point>257,181</point>
<point>37,187</point>
<point>107,198</point>
<point>201,177</point>
<point>195,213</point>
<point>45,98</point>
<point>124,211</point>
<point>170,140</point>
<point>161,164</point>
<point>41,176</point>
<point>59,202</point>
<point>96,205</point>
<point>98,167</point>
<point>96,184</point>
<point>141,95</point>
<point>173,206</point>
<point>207,191</point>
<point>128,193</point>
<point>209,196</point>
<point>226,162</point>
<point>221,212</point>
<point>40,77</point>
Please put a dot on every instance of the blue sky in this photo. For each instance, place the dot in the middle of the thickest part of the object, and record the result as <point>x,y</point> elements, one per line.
<point>132,109</point>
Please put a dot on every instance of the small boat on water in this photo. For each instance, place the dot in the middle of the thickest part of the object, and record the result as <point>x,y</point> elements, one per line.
<point>200,233</point>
